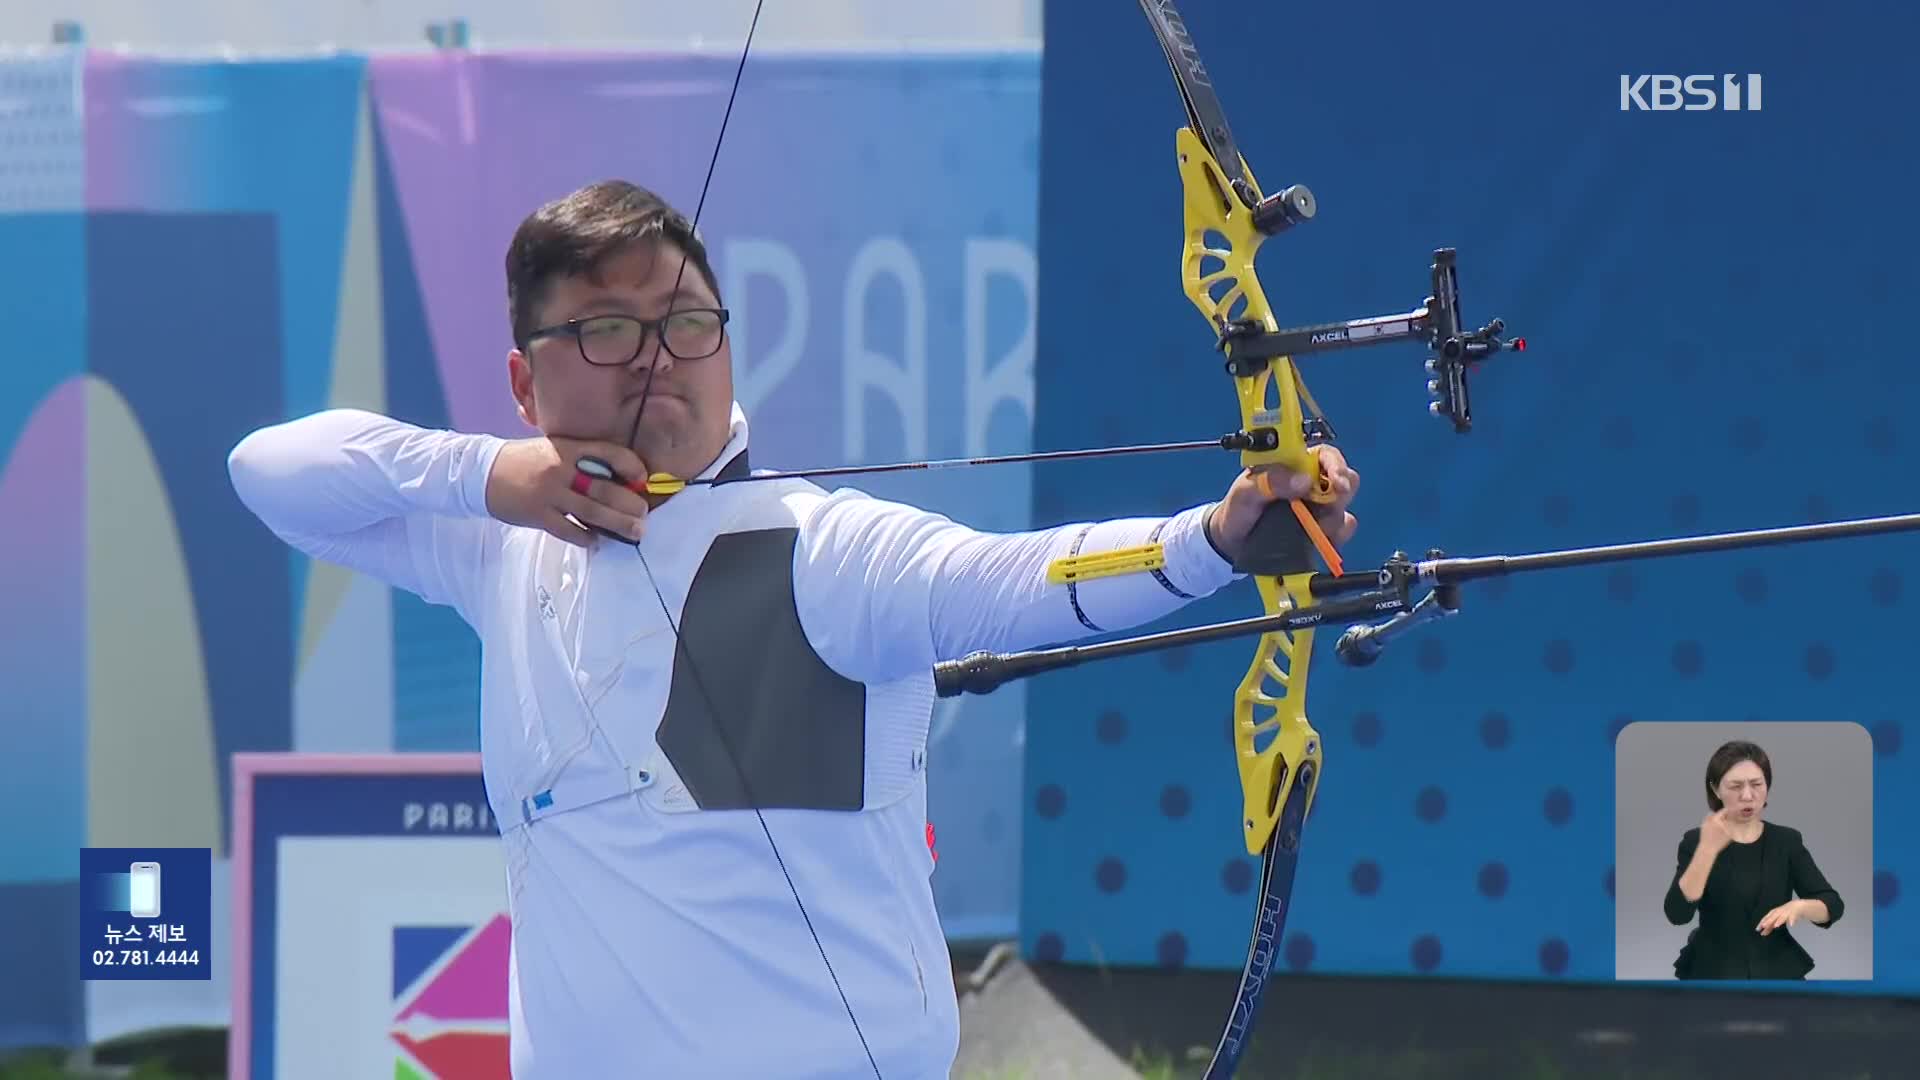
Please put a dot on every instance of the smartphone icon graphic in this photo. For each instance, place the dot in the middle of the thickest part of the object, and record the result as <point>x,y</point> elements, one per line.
<point>144,894</point>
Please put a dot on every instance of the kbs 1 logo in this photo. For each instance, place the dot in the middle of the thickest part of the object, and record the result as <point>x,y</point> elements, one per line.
<point>1693,93</point>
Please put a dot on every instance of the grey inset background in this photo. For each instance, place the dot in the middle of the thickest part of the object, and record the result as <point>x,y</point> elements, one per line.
<point>1822,786</point>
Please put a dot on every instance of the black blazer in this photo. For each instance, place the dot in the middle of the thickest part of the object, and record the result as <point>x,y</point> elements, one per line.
<point>1725,945</point>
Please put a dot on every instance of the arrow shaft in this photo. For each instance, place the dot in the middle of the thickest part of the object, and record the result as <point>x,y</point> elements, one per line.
<point>1004,459</point>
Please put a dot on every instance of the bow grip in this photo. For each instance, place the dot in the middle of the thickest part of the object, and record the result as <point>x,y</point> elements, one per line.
<point>1282,542</point>
<point>1286,536</point>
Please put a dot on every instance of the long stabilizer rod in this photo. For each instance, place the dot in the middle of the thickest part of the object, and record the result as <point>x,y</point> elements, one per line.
<point>982,672</point>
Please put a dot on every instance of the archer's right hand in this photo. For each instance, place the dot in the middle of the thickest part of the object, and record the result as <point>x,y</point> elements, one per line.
<point>535,483</point>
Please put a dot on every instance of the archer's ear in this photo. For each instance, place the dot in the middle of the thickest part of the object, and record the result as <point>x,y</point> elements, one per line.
<point>520,382</point>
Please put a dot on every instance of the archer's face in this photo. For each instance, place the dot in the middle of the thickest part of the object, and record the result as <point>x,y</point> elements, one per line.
<point>690,402</point>
<point>1744,791</point>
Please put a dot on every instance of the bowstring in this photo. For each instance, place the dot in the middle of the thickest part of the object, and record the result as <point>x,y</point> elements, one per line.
<point>680,646</point>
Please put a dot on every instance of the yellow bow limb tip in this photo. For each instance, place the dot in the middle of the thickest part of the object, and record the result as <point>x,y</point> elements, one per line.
<point>1133,560</point>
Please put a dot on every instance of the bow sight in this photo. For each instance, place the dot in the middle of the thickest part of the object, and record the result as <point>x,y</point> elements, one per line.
<point>1436,321</point>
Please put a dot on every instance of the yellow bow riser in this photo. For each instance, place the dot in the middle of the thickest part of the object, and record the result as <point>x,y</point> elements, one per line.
<point>1272,737</point>
<point>1217,274</point>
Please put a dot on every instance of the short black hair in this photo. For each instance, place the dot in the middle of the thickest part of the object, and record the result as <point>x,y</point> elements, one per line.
<point>577,234</point>
<point>1725,758</point>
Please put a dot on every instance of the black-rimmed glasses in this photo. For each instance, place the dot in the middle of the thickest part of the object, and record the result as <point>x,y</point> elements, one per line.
<point>616,340</point>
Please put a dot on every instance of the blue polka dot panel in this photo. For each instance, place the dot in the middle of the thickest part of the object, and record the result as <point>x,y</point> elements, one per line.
<point>1713,302</point>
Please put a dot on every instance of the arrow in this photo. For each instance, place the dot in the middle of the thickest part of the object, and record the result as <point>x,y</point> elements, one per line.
<point>1258,439</point>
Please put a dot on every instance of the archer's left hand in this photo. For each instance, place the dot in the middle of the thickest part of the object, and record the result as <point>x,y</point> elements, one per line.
<point>1785,915</point>
<point>1234,516</point>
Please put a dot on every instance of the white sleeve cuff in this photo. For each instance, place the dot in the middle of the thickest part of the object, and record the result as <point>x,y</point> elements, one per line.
<point>473,463</point>
<point>1194,565</point>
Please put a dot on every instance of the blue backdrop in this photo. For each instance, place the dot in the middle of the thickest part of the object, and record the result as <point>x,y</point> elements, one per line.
<point>1715,304</point>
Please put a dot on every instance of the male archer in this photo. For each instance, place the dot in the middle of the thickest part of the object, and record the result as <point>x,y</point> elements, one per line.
<point>760,647</point>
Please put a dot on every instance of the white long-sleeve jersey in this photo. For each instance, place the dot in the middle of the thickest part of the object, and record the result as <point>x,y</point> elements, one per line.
<point>654,933</point>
